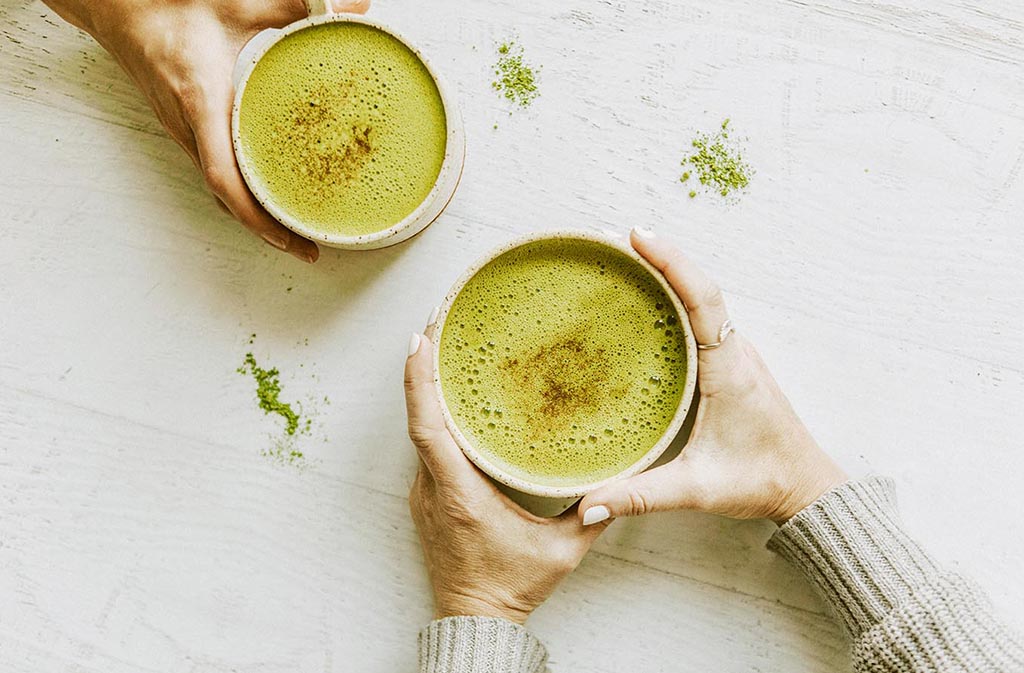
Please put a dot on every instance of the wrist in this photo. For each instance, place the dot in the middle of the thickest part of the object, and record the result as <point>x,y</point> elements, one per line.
<point>809,492</point>
<point>460,605</point>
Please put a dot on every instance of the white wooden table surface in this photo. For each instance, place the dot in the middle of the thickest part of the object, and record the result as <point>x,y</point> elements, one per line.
<point>876,260</point>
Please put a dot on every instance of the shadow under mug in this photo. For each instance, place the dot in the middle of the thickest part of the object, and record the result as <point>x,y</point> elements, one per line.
<point>543,499</point>
<point>451,167</point>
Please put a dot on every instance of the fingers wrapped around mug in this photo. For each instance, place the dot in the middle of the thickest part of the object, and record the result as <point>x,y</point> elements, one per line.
<point>703,299</point>
<point>211,125</point>
<point>434,444</point>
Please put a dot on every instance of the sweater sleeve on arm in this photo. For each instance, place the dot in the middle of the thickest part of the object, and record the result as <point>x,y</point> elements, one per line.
<point>903,612</point>
<point>479,645</point>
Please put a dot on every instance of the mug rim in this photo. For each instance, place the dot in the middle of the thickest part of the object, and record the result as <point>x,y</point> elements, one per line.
<point>686,400</point>
<point>445,184</point>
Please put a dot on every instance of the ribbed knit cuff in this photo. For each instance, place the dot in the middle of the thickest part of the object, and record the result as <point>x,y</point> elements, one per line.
<point>479,645</point>
<point>946,626</point>
<point>850,544</point>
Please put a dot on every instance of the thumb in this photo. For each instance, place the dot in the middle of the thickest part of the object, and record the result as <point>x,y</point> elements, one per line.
<point>571,522</point>
<point>663,488</point>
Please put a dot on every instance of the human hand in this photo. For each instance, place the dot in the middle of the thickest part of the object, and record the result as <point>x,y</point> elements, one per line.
<point>181,54</point>
<point>749,455</point>
<point>485,555</point>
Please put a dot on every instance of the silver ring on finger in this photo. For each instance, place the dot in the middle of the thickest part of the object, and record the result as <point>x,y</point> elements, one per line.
<point>723,333</point>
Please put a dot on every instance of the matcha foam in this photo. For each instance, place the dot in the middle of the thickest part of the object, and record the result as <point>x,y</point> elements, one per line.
<point>344,127</point>
<point>562,361</point>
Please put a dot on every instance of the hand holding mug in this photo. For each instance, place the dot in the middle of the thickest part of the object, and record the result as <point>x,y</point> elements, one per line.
<point>486,556</point>
<point>749,455</point>
<point>181,55</point>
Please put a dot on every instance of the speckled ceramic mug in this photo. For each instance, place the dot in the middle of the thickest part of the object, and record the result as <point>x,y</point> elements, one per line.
<point>562,496</point>
<point>444,186</point>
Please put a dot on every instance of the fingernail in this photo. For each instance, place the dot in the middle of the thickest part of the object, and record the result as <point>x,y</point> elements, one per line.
<point>433,316</point>
<point>595,514</point>
<point>644,232</point>
<point>414,344</point>
<point>309,258</point>
<point>279,242</point>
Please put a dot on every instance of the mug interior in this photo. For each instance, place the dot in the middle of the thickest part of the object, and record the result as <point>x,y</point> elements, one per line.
<point>519,483</point>
<point>427,210</point>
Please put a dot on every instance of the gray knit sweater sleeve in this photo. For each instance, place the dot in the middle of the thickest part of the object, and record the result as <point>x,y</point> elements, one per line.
<point>904,613</point>
<point>479,645</point>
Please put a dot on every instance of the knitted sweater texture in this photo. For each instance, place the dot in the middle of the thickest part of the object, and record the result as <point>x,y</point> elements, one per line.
<point>903,612</point>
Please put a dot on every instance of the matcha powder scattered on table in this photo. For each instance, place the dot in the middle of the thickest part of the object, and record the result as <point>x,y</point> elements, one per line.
<point>268,391</point>
<point>516,80</point>
<point>717,163</point>
<point>284,448</point>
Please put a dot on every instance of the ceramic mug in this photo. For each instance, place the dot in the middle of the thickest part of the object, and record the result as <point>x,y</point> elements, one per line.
<point>562,496</point>
<point>451,168</point>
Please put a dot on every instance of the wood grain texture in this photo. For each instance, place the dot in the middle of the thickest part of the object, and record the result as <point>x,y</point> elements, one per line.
<point>141,530</point>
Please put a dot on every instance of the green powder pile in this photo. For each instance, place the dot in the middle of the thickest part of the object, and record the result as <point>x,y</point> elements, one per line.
<point>298,417</point>
<point>268,391</point>
<point>717,163</point>
<point>516,80</point>
<point>268,396</point>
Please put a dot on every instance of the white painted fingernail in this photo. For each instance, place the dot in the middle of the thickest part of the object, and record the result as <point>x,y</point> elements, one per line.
<point>414,344</point>
<point>644,232</point>
<point>595,515</point>
<point>433,316</point>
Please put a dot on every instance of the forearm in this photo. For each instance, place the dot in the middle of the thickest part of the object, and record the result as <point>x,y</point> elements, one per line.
<point>479,645</point>
<point>903,611</point>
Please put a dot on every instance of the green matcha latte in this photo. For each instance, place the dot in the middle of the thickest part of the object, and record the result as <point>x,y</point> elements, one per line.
<point>343,127</point>
<point>562,361</point>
